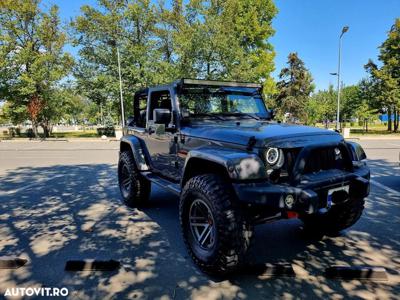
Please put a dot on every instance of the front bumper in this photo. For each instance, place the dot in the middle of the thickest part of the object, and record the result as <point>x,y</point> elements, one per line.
<point>310,194</point>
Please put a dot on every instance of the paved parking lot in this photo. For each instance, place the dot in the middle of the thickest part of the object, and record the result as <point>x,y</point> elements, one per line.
<point>60,201</point>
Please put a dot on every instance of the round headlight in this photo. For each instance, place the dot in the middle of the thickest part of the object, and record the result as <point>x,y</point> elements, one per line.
<point>272,156</point>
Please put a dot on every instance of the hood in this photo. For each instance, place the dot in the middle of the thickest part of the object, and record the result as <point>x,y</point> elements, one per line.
<point>265,133</point>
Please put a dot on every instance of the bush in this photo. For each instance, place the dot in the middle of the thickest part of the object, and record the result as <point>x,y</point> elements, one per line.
<point>18,131</point>
<point>107,131</point>
<point>108,122</point>
<point>11,132</point>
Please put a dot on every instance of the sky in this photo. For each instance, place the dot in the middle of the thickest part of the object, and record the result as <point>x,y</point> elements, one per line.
<point>312,28</point>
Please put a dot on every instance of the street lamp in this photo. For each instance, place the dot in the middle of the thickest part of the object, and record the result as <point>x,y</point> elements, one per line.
<point>114,44</point>
<point>344,30</point>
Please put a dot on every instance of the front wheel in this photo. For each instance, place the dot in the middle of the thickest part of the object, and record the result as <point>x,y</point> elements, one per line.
<point>135,189</point>
<point>339,217</point>
<point>214,230</point>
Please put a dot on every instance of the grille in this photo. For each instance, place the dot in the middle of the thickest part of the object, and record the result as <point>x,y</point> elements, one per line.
<point>319,159</point>
<point>323,159</point>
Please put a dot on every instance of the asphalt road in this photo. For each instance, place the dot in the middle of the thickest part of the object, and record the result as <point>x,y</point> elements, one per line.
<point>60,201</point>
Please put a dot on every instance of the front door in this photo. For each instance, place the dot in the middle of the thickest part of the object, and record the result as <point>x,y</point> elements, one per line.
<point>160,135</point>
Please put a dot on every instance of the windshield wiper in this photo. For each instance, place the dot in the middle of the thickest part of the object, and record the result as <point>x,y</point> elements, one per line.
<point>243,114</point>
<point>208,115</point>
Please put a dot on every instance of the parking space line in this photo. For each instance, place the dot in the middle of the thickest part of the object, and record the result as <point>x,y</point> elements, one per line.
<point>29,185</point>
<point>384,187</point>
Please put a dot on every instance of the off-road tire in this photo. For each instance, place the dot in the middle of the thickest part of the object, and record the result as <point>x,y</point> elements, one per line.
<point>137,193</point>
<point>338,218</point>
<point>233,233</point>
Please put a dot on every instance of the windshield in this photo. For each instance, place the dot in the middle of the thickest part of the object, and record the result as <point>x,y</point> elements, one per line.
<point>204,102</point>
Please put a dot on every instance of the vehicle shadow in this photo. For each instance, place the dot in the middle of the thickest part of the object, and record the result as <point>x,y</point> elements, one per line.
<point>53,214</point>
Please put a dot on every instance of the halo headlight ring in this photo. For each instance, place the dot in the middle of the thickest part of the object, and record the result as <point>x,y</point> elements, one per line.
<point>272,156</point>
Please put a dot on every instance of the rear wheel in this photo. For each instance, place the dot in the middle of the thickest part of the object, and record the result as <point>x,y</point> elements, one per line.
<point>134,188</point>
<point>214,230</point>
<point>339,217</point>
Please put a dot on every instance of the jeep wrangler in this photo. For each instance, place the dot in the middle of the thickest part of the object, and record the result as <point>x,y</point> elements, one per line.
<point>216,146</point>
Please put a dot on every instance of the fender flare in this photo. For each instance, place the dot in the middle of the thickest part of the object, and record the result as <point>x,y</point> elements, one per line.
<point>239,165</point>
<point>357,152</point>
<point>139,151</point>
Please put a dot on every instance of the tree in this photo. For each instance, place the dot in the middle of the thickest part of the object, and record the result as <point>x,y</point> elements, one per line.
<point>32,58</point>
<point>366,106</point>
<point>12,113</point>
<point>225,39</point>
<point>386,78</point>
<point>349,102</point>
<point>294,88</point>
<point>321,106</point>
<point>196,39</point>
<point>128,25</point>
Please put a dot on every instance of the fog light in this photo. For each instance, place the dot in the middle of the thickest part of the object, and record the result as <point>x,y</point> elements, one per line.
<point>289,201</point>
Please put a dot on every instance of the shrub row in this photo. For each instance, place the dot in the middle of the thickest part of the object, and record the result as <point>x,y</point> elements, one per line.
<point>107,131</point>
<point>12,132</point>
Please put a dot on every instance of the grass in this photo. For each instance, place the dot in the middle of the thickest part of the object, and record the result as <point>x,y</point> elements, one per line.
<point>69,134</point>
<point>373,129</point>
<point>75,134</point>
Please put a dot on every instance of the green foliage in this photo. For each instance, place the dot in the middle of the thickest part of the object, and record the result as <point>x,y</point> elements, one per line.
<point>224,39</point>
<point>130,26</point>
<point>321,106</point>
<point>198,39</point>
<point>13,113</point>
<point>294,88</point>
<point>355,103</point>
<point>386,78</point>
<point>32,59</point>
<point>350,101</point>
<point>108,129</point>
<point>108,122</point>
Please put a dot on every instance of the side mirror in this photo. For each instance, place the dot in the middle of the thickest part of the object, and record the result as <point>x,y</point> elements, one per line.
<point>129,121</point>
<point>161,116</point>
<point>185,113</point>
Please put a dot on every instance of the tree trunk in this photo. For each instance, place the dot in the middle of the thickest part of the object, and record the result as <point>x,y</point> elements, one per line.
<point>396,120</point>
<point>46,129</point>
<point>389,114</point>
<point>35,129</point>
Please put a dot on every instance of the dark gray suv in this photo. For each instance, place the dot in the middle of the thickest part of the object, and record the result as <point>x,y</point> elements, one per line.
<point>215,145</point>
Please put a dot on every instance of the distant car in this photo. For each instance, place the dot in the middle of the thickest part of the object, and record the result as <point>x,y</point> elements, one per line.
<point>215,145</point>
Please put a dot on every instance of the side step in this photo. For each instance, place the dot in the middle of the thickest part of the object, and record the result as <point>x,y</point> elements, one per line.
<point>164,183</point>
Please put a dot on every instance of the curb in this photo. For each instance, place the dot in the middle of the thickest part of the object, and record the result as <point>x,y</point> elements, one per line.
<point>20,140</point>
